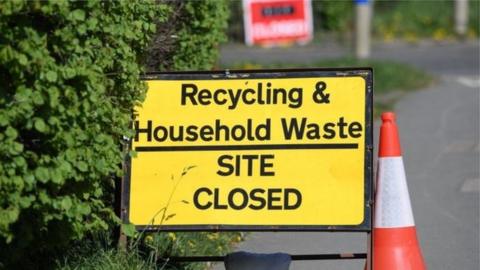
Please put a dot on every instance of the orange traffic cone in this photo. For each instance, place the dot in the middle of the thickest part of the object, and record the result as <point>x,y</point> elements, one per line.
<point>395,244</point>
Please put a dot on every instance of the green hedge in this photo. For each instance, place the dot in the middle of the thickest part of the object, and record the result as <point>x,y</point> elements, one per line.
<point>70,78</point>
<point>69,74</point>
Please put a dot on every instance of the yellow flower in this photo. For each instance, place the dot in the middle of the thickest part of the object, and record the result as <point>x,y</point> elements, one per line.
<point>427,20</point>
<point>397,17</point>
<point>471,34</point>
<point>388,36</point>
<point>212,236</point>
<point>148,239</point>
<point>410,37</point>
<point>251,66</point>
<point>172,236</point>
<point>439,34</point>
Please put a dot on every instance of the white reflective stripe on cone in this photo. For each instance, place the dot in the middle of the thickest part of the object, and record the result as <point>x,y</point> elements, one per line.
<point>392,201</point>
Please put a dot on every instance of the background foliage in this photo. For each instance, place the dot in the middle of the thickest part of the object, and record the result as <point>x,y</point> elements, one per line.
<point>407,19</point>
<point>411,19</point>
<point>333,15</point>
<point>70,77</point>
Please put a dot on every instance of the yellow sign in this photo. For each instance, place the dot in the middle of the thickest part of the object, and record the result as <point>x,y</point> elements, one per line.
<point>270,150</point>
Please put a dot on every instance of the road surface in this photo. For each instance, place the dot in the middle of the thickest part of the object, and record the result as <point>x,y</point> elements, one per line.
<point>439,131</point>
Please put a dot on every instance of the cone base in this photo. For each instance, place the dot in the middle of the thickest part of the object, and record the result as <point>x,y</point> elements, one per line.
<point>397,249</point>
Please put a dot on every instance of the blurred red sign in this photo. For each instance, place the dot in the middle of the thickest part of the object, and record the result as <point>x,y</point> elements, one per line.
<point>276,22</point>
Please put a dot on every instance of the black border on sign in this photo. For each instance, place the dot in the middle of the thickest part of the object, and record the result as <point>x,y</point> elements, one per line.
<point>365,72</point>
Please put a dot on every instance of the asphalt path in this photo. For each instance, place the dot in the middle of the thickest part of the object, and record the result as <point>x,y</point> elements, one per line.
<point>439,131</point>
<point>448,58</point>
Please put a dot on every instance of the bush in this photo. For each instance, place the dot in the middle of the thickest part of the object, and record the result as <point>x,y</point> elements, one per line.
<point>70,77</point>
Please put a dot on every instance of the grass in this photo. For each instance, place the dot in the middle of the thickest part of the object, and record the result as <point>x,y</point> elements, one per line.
<point>148,251</point>
<point>388,76</point>
<point>106,259</point>
<point>391,79</point>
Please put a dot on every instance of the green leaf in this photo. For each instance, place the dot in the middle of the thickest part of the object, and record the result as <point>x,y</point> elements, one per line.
<point>56,177</point>
<point>37,98</point>
<point>84,208</point>
<point>69,73</point>
<point>98,192</point>
<point>71,155</point>
<point>22,59</point>
<point>43,197</point>
<point>92,22</point>
<point>82,166</point>
<point>128,230</point>
<point>18,147</point>
<point>51,76</point>
<point>40,125</point>
<point>78,15</point>
<point>23,93</point>
<point>133,153</point>
<point>18,182</point>
<point>29,179</point>
<point>6,53</point>
<point>41,173</point>
<point>54,95</point>
<point>25,202</point>
<point>20,161</point>
<point>66,203</point>
<point>3,119</point>
<point>11,133</point>
<point>13,214</point>
<point>65,167</point>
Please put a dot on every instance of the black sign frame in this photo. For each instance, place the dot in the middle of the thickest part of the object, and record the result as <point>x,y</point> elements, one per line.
<point>364,72</point>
